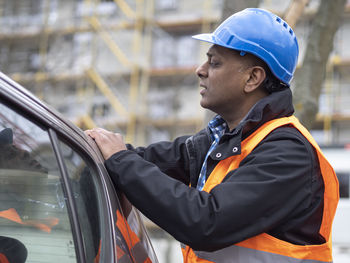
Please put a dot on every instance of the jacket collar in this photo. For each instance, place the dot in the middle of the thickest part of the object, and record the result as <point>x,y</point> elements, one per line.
<point>276,105</point>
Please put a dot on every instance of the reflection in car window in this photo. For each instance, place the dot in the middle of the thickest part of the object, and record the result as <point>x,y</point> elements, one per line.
<point>34,223</point>
<point>141,248</point>
<point>129,242</point>
<point>87,198</point>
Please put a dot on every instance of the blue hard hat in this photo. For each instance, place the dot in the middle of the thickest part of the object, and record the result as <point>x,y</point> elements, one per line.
<point>262,34</point>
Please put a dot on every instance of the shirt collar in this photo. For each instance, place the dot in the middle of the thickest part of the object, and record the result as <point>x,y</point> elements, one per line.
<point>217,127</point>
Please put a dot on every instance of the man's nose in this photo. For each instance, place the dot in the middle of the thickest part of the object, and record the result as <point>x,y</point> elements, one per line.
<point>202,70</point>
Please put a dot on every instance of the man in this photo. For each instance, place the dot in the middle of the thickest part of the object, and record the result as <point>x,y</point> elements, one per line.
<point>253,186</point>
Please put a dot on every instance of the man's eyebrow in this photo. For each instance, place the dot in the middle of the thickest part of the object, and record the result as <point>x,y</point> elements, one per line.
<point>209,54</point>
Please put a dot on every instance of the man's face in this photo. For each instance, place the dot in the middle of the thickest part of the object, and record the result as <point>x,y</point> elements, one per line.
<point>222,78</point>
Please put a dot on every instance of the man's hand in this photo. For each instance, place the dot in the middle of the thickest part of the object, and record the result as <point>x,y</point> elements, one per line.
<point>108,142</point>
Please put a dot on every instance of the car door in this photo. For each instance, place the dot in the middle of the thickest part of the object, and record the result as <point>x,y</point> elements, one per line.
<point>57,201</point>
<point>44,206</point>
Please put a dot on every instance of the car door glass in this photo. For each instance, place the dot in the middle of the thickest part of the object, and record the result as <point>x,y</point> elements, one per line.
<point>34,222</point>
<point>84,183</point>
<point>87,197</point>
<point>138,241</point>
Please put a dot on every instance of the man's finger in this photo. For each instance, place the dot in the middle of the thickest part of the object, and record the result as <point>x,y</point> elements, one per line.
<point>87,132</point>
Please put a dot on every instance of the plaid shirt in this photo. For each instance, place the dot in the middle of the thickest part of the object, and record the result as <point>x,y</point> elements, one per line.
<point>217,127</point>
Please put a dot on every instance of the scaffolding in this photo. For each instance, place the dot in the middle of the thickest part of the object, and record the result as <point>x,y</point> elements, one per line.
<point>104,63</point>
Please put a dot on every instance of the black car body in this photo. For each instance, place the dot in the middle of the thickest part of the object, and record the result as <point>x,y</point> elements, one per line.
<point>57,202</point>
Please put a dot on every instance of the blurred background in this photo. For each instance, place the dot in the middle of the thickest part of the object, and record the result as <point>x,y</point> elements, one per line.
<point>128,66</point>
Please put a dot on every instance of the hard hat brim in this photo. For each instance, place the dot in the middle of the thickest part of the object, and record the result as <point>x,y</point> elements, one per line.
<point>211,38</point>
<point>208,37</point>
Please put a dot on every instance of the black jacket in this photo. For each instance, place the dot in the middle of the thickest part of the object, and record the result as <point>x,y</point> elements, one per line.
<point>277,189</point>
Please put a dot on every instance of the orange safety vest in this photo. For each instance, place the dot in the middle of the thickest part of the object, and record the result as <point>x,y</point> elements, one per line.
<point>3,258</point>
<point>265,248</point>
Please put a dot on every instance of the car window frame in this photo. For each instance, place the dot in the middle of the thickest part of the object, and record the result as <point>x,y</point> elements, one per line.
<point>110,202</point>
<point>71,207</point>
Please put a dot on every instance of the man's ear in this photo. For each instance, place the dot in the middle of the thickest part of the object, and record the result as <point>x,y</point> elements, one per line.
<point>256,76</point>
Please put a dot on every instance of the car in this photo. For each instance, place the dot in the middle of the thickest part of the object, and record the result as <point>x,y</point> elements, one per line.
<point>58,203</point>
<point>338,156</point>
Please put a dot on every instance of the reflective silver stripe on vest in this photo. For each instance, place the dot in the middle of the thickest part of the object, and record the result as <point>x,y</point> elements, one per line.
<point>236,254</point>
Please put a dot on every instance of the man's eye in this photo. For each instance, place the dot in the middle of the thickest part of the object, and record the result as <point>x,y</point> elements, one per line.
<point>213,63</point>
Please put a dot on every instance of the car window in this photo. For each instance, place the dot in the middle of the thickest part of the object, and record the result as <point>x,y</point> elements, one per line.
<point>87,197</point>
<point>142,249</point>
<point>34,222</point>
<point>84,184</point>
<point>132,243</point>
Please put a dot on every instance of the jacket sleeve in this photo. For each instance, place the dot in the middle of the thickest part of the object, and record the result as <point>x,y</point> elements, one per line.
<point>170,157</point>
<point>273,184</point>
